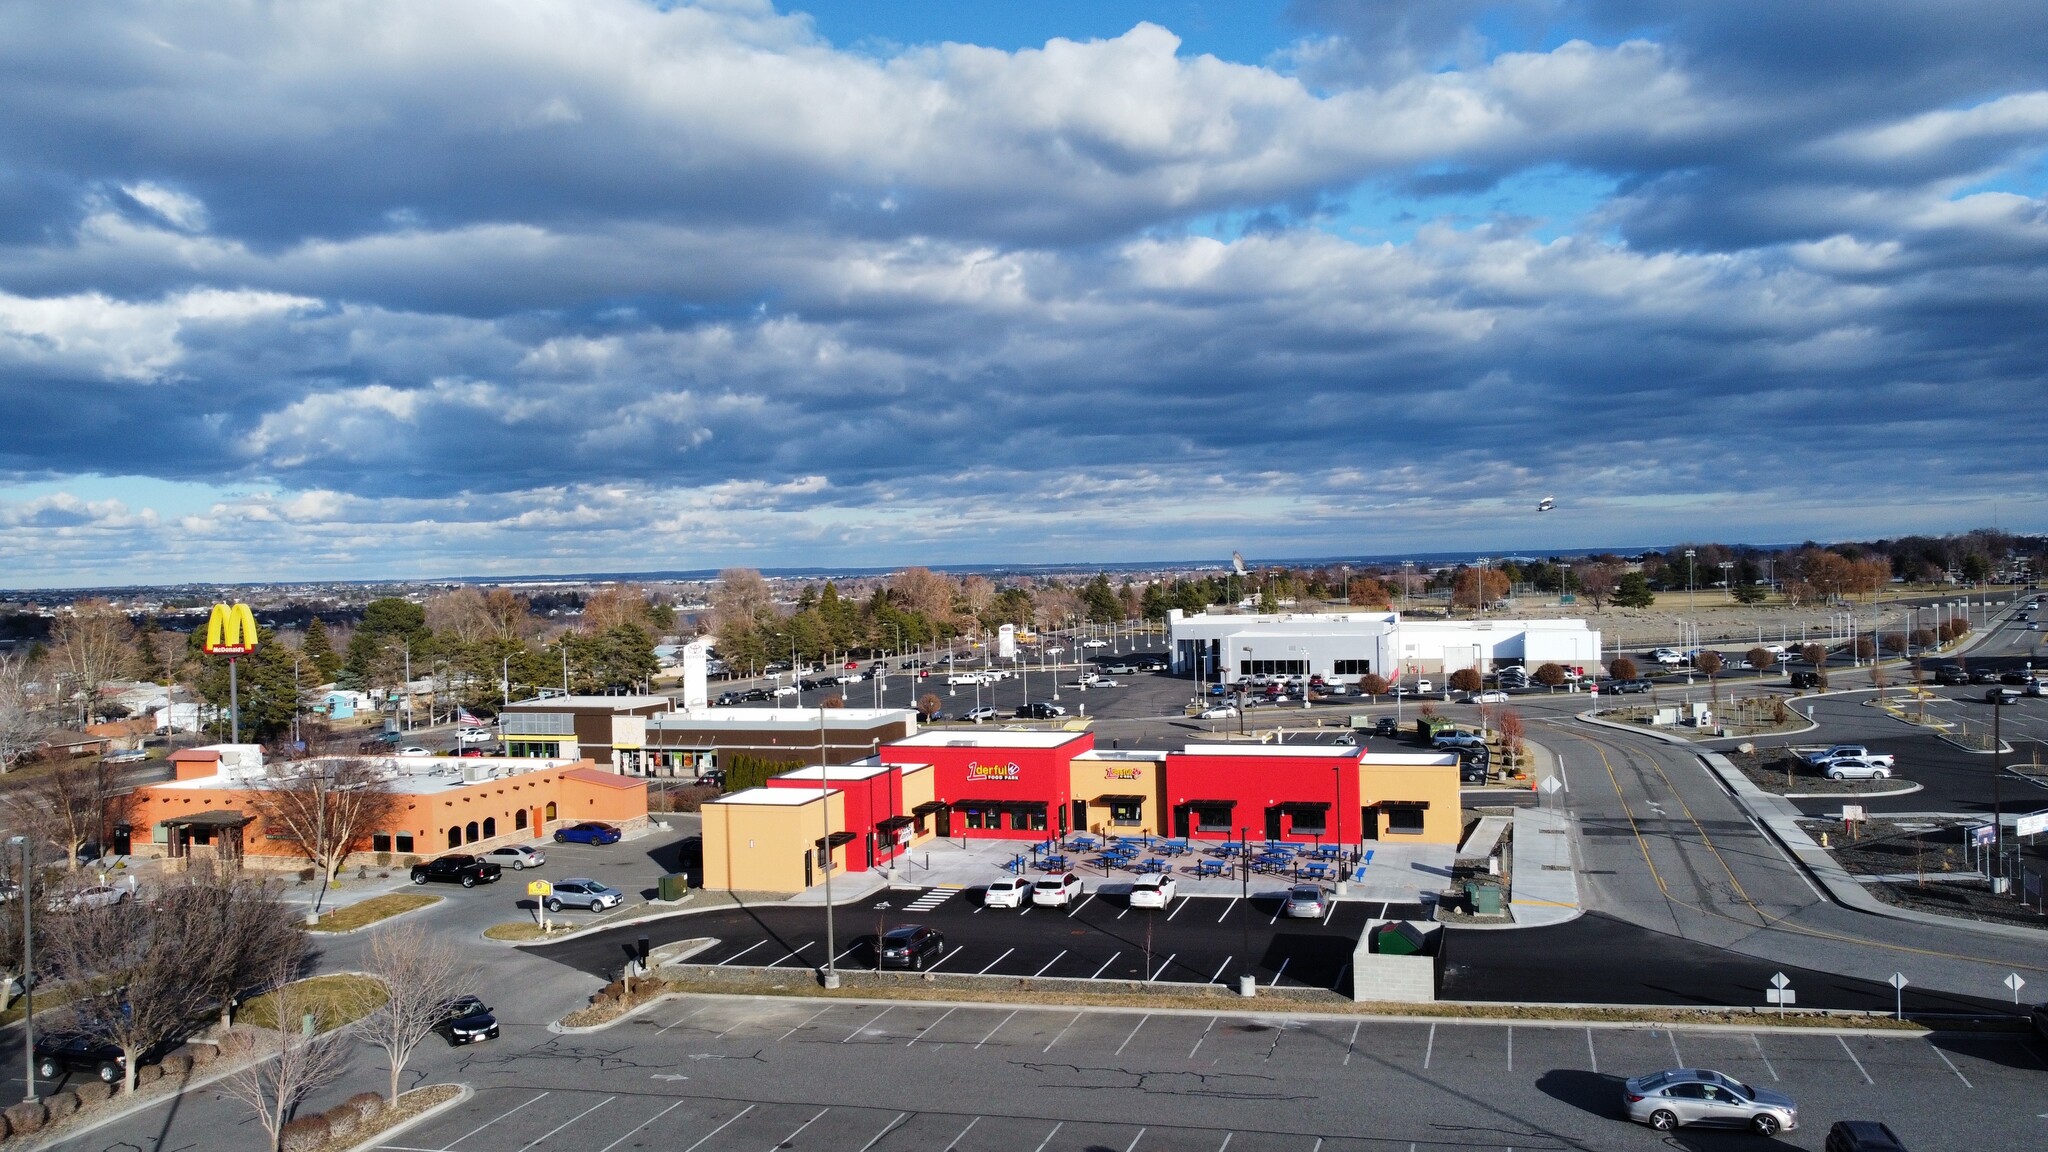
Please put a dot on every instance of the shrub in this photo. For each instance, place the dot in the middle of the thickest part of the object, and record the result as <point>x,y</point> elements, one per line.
<point>5,1131</point>
<point>202,1054</point>
<point>1465,680</point>
<point>27,1116</point>
<point>1621,668</point>
<point>149,1074</point>
<point>366,1104</point>
<point>178,1063</point>
<point>342,1120</point>
<point>238,1041</point>
<point>93,1092</point>
<point>383,859</point>
<point>1549,675</point>
<point>61,1105</point>
<point>305,1134</point>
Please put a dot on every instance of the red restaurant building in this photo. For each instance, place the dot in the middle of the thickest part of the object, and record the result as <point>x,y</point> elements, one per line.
<point>996,785</point>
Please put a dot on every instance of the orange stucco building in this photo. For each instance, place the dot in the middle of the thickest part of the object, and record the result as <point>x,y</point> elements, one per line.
<point>439,804</point>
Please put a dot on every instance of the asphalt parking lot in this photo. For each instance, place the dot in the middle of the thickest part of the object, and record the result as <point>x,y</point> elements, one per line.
<point>712,1074</point>
<point>1198,940</point>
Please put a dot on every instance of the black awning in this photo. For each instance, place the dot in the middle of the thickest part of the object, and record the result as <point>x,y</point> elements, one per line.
<point>838,839</point>
<point>217,818</point>
<point>1207,804</point>
<point>1318,805</point>
<point>929,807</point>
<point>1118,800</point>
<point>892,823</point>
<point>1404,804</point>
<point>1028,805</point>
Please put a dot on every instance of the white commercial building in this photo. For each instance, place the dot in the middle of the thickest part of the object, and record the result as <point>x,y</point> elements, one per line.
<point>1345,646</point>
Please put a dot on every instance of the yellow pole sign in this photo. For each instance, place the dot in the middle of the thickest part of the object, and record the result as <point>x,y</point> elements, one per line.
<point>539,888</point>
<point>230,630</point>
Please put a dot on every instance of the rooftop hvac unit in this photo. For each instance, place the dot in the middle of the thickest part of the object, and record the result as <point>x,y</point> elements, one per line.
<point>475,773</point>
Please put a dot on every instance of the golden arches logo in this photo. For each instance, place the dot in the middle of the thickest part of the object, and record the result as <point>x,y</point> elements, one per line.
<point>230,630</point>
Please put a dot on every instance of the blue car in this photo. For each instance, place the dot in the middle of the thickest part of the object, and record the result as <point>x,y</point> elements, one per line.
<point>588,832</point>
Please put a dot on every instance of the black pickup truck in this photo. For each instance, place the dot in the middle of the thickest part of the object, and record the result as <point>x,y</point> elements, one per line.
<point>459,868</point>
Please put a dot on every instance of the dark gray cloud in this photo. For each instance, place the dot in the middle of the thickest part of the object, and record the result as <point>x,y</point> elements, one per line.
<point>513,286</point>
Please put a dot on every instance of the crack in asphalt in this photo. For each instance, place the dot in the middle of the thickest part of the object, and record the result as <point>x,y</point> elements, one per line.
<point>1161,1083</point>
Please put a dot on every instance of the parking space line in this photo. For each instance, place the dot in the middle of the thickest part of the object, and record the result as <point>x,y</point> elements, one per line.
<point>963,1134</point>
<point>1164,965</point>
<point>998,1027</point>
<point>1852,1057</point>
<point>1124,913</point>
<point>1063,1031</point>
<point>886,1129</point>
<point>1083,904</point>
<point>487,1124</point>
<point>794,951</point>
<point>1134,1031</point>
<point>1511,1047</point>
<point>843,955</point>
<point>1176,909</point>
<point>1050,963</point>
<point>994,962</point>
<point>706,1138</point>
<point>1220,968</point>
<point>1049,1135</point>
<point>679,1023</point>
<point>869,1024</point>
<point>1431,1049</point>
<point>807,1020</point>
<point>720,1035</point>
<point>1951,1066</point>
<point>642,1126</point>
<point>790,1139</point>
<point>1223,1147</point>
<point>948,956</point>
<point>932,1025</point>
<point>1134,1141</point>
<point>1341,973</point>
<point>1768,1066</point>
<point>1677,1061</point>
<point>1278,973</point>
<point>1276,914</point>
<point>1226,910</point>
<point>1105,966</point>
<point>1192,1051</point>
<point>1352,1045</point>
<point>741,952</point>
<point>1594,1056</point>
<point>531,1144</point>
<point>1330,915</point>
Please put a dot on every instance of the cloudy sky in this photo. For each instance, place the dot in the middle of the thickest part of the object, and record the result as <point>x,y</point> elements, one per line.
<point>356,288</point>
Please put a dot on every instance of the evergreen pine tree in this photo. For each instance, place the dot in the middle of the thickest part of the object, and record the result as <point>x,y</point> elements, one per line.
<point>318,651</point>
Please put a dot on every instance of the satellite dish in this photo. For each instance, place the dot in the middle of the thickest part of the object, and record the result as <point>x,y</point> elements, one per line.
<point>1546,504</point>
<point>1237,562</point>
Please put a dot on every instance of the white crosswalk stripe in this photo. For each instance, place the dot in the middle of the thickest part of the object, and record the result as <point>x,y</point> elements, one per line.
<point>930,900</point>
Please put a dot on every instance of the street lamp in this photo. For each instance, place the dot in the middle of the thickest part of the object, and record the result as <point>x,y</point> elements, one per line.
<point>1997,798</point>
<point>1304,672</point>
<point>27,895</point>
<point>1727,581</point>
<point>1688,580</point>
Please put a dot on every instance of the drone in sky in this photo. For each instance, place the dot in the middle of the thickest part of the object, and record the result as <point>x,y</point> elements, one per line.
<point>1546,504</point>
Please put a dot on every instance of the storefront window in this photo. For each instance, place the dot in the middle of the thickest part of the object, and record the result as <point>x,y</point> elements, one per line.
<point>1405,820</point>
<point>1032,821</point>
<point>973,816</point>
<point>380,842</point>
<point>1309,822</point>
<point>1212,819</point>
<point>403,842</point>
<point>1125,813</point>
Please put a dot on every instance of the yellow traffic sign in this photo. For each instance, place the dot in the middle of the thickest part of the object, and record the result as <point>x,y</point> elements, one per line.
<point>539,888</point>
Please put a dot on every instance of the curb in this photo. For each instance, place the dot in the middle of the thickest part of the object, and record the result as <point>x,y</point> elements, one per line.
<point>1908,791</point>
<point>462,1094</point>
<point>1476,1007</point>
<point>312,931</point>
<point>629,922</point>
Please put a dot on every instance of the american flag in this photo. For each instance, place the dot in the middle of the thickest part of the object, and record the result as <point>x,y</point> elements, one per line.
<point>469,719</point>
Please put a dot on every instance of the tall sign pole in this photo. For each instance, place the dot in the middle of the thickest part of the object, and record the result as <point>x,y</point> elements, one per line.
<point>231,632</point>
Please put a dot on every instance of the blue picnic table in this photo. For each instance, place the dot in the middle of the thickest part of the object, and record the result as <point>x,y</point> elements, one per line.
<point>1316,871</point>
<point>1055,862</point>
<point>1208,868</point>
<point>1084,843</point>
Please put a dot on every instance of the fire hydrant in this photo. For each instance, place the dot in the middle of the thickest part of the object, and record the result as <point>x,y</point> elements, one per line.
<point>1823,839</point>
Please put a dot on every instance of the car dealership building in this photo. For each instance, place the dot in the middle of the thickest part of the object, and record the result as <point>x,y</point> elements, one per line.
<point>1344,646</point>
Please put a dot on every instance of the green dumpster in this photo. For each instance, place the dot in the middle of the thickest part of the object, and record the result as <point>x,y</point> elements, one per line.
<point>673,886</point>
<point>1485,899</point>
<point>1398,939</point>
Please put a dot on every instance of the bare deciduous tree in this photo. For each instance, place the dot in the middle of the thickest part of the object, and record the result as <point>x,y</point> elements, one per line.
<point>144,971</point>
<point>70,806</point>
<point>422,973</point>
<point>326,805</point>
<point>92,645</point>
<point>1597,582</point>
<point>21,720</point>
<point>291,1065</point>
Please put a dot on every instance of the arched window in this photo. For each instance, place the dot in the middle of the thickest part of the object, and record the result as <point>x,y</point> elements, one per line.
<point>550,811</point>
<point>490,827</point>
<point>469,833</point>
<point>455,837</point>
<point>519,819</point>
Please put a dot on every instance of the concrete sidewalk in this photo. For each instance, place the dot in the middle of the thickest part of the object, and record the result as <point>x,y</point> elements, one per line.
<point>1546,881</point>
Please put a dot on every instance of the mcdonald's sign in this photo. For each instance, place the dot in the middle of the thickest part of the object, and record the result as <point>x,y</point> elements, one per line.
<point>230,630</point>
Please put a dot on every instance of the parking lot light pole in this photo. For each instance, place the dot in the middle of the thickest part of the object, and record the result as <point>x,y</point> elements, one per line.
<point>25,892</point>
<point>831,973</point>
<point>1688,580</point>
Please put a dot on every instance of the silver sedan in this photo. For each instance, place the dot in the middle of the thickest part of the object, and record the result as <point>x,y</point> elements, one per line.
<point>1683,1097</point>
